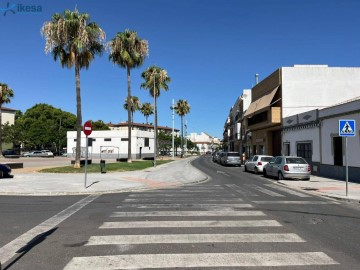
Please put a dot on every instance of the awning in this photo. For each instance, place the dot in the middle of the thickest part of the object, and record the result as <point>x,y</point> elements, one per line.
<point>261,103</point>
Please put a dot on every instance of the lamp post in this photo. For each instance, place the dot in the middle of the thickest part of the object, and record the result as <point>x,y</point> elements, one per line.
<point>173,124</point>
<point>155,124</point>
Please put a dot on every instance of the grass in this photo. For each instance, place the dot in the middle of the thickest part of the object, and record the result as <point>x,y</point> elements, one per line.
<point>109,167</point>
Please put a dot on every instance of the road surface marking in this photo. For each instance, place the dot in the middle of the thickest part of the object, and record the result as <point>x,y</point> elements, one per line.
<point>290,191</point>
<point>11,249</point>
<point>266,191</point>
<point>242,192</point>
<point>194,238</point>
<point>293,202</point>
<point>226,206</point>
<point>194,224</point>
<point>140,261</point>
<point>194,200</point>
<point>188,214</point>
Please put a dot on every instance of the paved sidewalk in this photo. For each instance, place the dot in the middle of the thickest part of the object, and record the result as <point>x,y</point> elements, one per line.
<point>179,172</point>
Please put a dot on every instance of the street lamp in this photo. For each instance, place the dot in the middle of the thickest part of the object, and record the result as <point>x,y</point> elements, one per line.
<point>155,124</point>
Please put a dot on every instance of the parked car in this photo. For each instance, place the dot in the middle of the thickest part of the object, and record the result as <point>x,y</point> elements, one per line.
<point>291,167</point>
<point>11,153</point>
<point>256,163</point>
<point>216,156</point>
<point>230,158</point>
<point>5,170</point>
<point>39,153</point>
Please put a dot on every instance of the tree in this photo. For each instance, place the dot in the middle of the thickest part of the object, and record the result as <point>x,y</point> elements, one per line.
<point>45,127</point>
<point>75,41</point>
<point>128,51</point>
<point>147,109</point>
<point>135,105</point>
<point>182,108</point>
<point>6,93</point>
<point>156,79</point>
<point>99,125</point>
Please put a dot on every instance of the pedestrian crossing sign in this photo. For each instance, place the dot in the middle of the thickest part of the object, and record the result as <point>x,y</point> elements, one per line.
<point>347,128</point>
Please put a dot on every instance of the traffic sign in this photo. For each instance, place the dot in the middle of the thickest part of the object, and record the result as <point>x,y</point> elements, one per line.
<point>347,128</point>
<point>87,128</point>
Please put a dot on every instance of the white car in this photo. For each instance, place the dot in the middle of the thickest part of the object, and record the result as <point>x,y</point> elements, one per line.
<point>256,163</point>
<point>47,153</point>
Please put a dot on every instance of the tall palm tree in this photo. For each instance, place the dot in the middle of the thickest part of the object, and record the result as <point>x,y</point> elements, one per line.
<point>182,108</point>
<point>75,41</point>
<point>147,109</point>
<point>6,93</point>
<point>156,79</point>
<point>128,51</point>
<point>135,105</point>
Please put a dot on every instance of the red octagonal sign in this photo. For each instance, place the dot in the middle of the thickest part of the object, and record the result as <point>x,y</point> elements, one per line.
<point>87,128</point>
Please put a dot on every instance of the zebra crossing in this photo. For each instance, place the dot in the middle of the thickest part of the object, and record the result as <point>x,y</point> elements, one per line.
<point>160,225</point>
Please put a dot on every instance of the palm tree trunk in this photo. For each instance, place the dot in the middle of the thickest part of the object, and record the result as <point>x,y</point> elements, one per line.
<point>129,116</point>
<point>78,116</point>
<point>182,137</point>
<point>155,128</point>
<point>1,133</point>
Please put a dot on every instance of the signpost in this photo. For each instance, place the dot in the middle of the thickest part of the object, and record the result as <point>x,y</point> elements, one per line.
<point>87,131</point>
<point>346,129</point>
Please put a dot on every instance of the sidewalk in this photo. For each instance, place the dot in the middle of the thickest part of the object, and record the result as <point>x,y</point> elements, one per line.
<point>179,172</point>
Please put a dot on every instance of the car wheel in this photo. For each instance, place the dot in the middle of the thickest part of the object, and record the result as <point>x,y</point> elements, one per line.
<point>280,176</point>
<point>265,173</point>
<point>256,170</point>
<point>245,168</point>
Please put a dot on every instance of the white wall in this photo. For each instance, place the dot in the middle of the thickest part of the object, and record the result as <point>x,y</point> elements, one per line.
<point>116,146</point>
<point>7,117</point>
<point>330,128</point>
<point>303,135</point>
<point>305,88</point>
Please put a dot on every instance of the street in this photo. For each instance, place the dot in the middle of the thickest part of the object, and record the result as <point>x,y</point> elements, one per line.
<point>235,220</point>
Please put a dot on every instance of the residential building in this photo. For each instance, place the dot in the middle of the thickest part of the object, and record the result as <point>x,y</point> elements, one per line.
<point>204,142</point>
<point>314,135</point>
<point>143,127</point>
<point>7,116</point>
<point>293,90</point>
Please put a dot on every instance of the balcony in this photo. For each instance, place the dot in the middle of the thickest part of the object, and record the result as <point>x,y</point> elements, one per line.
<point>265,119</point>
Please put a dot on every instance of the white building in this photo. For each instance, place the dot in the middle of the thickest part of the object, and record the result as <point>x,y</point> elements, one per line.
<point>314,135</point>
<point>114,144</point>
<point>294,90</point>
<point>204,142</point>
<point>7,116</point>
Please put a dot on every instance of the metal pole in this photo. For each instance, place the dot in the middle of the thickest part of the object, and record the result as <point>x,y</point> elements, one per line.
<point>173,127</point>
<point>86,159</point>
<point>155,128</point>
<point>347,168</point>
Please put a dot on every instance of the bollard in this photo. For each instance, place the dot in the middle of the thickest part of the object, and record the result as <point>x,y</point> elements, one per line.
<point>102,166</point>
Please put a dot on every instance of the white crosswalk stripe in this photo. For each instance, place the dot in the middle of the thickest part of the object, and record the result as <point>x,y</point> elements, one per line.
<point>140,261</point>
<point>156,220</point>
<point>290,191</point>
<point>194,238</point>
<point>188,214</point>
<point>294,202</point>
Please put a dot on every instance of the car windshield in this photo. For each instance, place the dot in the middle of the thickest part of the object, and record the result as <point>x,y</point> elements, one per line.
<point>266,159</point>
<point>233,154</point>
<point>295,160</point>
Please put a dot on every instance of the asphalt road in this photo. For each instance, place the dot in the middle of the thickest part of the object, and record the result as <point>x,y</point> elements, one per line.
<point>236,220</point>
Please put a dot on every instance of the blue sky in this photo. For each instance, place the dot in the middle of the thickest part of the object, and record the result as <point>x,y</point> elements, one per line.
<point>210,48</point>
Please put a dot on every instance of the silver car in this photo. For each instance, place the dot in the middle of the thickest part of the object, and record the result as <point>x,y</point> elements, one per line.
<point>290,167</point>
<point>230,158</point>
<point>256,163</point>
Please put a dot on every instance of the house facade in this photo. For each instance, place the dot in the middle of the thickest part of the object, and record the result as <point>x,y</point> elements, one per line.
<point>204,142</point>
<point>314,135</point>
<point>290,91</point>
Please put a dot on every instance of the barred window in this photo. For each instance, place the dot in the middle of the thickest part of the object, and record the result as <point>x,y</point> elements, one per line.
<point>304,150</point>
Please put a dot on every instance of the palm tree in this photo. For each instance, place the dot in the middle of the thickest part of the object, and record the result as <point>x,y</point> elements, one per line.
<point>156,79</point>
<point>75,41</point>
<point>127,50</point>
<point>182,108</point>
<point>147,109</point>
<point>6,93</point>
<point>135,105</point>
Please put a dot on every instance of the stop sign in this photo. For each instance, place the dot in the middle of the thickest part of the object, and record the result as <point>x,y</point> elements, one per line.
<point>87,128</point>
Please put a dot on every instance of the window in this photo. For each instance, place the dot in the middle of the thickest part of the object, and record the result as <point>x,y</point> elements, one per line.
<point>146,142</point>
<point>107,140</point>
<point>124,139</point>
<point>304,150</point>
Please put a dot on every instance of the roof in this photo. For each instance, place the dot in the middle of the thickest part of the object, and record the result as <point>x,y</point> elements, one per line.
<point>7,109</point>
<point>125,124</point>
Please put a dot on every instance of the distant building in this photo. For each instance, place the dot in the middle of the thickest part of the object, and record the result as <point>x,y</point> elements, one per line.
<point>204,142</point>
<point>113,143</point>
<point>7,116</point>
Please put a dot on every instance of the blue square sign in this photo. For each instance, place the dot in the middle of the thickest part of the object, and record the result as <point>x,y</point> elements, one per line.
<point>347,128</point>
